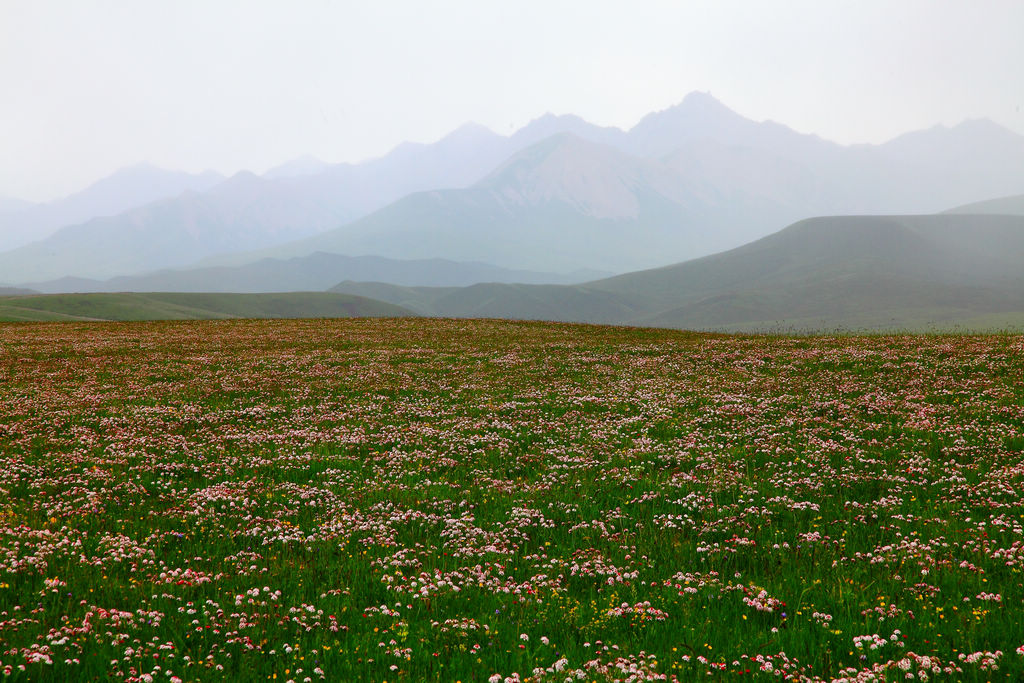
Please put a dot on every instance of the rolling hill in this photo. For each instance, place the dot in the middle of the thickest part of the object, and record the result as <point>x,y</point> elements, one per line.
<point>184,306</point>
<point>315,272</point>
<point>847,271</point>
<point>572,303</point>
<point>852,272</point>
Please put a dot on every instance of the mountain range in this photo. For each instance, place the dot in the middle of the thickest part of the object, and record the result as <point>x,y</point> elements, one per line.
<point>561,204</point>
<point>556,196</point>
<point>24,222</point>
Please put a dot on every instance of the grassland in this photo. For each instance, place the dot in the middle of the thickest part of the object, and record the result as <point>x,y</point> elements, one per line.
<point>409,500</point>
<point>192,306</point>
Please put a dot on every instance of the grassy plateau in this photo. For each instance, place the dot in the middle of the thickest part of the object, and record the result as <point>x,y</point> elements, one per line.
<point>456,500</point>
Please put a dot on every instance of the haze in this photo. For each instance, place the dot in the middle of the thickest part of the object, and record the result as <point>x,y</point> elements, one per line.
<point>90,87</point>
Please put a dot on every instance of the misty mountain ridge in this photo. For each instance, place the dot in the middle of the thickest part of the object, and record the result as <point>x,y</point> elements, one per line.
<point>595,180</point>
<point>562,204</point>
<point>125,189</point>
<point>244,209</point>
<point>549,124</point>
<point>569,202</point>
<point>694,178</point>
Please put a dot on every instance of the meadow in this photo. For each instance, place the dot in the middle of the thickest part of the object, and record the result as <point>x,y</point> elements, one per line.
<point>455,500</point>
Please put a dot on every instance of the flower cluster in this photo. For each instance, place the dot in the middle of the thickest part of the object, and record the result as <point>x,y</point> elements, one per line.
<point>407,500</point>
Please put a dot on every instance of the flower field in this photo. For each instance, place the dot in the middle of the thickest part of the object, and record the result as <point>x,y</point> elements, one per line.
<point>413,500</point>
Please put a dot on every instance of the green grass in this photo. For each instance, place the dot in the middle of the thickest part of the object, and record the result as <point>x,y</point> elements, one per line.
<point>405,499</point>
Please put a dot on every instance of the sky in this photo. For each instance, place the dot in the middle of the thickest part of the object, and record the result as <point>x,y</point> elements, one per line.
<point>90,86</point>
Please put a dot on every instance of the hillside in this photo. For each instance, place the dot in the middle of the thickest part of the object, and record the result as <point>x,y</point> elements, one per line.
<point>315,272</point>
<point>184,306</point>
<point>854,272</point>
<point>577,303</point>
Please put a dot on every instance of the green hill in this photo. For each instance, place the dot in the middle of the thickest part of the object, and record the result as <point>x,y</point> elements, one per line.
<point>844,272</point>
<point>313,273</point>
<point>497,300</point>
<point>852,272</point>
<point>944,248</point>
<point>189,306</point>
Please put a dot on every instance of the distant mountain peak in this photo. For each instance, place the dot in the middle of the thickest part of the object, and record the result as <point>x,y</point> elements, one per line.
<point>466,135</point>
<point>549,124</point>
<point>704,100</point>
<point>696,105</point>
<point>242,177</point>
<point>594,179</point>
<point>968,136</point>
<point>983,126</point>
<point>698,116</point>
<point>470,130</point>
<point>548,118</point>
<point>559,146</point>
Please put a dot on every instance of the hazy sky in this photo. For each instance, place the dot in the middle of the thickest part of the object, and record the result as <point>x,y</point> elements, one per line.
<point>87,87</point>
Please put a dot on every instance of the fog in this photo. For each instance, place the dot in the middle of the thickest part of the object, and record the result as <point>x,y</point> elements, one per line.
<point>91,87</point>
